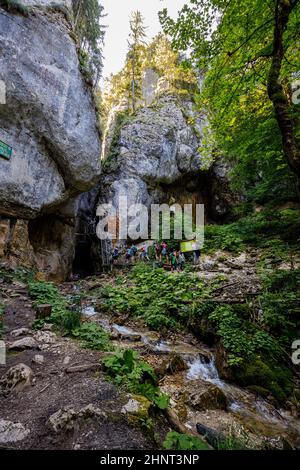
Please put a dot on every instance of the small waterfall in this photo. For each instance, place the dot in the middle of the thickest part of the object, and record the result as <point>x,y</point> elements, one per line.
<point>89,311</point>
<point>201,369</point>
<point>123,330</point>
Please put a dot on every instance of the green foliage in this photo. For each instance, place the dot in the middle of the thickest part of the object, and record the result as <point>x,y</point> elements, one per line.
<point>174,306</point>
<point>274,377</point>
<point>179,79</point>
<point>242,339</point>
<point>15,6</point>
<point>111,161</point>
<point>280,305</point>
<point>38,324</point>
<point>271,229</point>
<point>177,441</point>
<point>84,64</point>
<point>67,318</point>
<point>92,336</point>
<point>90,33</point>
<point>235,52</point>
<point>47,293</point>
<point>125,368</point>
<point>19,274</point>
<point>232,443</point>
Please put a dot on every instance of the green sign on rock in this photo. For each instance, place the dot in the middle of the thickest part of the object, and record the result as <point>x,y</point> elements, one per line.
<point>5,150</point>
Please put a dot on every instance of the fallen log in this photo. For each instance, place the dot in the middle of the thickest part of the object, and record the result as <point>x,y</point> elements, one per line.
<point>212,436</point>
<point>180,427</point>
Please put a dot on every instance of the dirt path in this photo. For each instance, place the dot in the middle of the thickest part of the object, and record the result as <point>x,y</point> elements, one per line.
<point>101,426</point>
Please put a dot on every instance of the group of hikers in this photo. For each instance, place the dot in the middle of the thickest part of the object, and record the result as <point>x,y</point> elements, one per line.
<point>175,259</point>
<point>131,254</point>
<point>170,257</point>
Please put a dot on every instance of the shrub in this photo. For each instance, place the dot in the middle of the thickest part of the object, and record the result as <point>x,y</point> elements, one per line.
<point>62,316</point>
<point>92,336</point>
<point>125,368</point>
<point>270,229</point>
<point>177,441</point>
<point>172,308</point>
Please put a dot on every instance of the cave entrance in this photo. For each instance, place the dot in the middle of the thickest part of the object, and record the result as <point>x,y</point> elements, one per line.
<point>83,264</point>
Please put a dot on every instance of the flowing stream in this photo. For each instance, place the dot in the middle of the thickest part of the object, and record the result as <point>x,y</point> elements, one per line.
<point>243,404</point>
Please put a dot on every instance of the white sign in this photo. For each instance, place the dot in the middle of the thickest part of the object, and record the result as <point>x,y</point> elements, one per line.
<point>2,92</point>
<point>2,353</point>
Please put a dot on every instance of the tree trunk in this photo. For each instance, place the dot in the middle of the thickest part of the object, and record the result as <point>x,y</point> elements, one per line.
<point>275,88</point>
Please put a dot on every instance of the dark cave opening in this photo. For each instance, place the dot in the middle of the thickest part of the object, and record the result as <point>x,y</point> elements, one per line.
<point>83,264</point>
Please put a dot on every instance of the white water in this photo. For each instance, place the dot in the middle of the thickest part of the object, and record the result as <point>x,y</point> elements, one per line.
<point>201,369</point>
<point>89,311</point>
<point>123,330</point>
<point>241,401</point>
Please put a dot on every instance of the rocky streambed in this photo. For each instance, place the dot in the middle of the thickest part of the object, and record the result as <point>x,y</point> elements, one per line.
<point>55,395</point>
<point>202,401</point>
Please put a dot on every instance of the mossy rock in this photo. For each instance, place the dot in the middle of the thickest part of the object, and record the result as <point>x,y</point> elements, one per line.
<point>136,409</point>
<point>272,377</point>
<point>263,392</point>
<point>175,364</point>
<point>201,396</point>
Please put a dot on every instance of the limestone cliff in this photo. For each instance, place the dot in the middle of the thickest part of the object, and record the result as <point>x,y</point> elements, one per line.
<point>156,156</point>
<point>48,118</point>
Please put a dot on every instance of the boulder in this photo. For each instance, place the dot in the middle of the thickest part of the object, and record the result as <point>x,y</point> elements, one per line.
<point>202,395</point>
<point>221,360</point>
<point>16,379</point>
<point>12,432</point>
<point>133,337</point>
<point>66,418</point>
<point>175,364</point>
<point>24,343</point>
<point>20,332</point>
<point>38,359</point>
<point>45,338</point>
<point>136,408</point>
<point>212,436</point>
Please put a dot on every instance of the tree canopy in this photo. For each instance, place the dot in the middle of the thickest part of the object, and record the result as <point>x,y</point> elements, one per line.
<point>249,53</point>
<point>90,33</point>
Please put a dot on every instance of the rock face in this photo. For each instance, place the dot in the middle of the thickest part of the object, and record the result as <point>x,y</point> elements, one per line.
<point>156,148</point>
<point>49,120</point>
<point>66,418</point>
<point>157,157</point>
